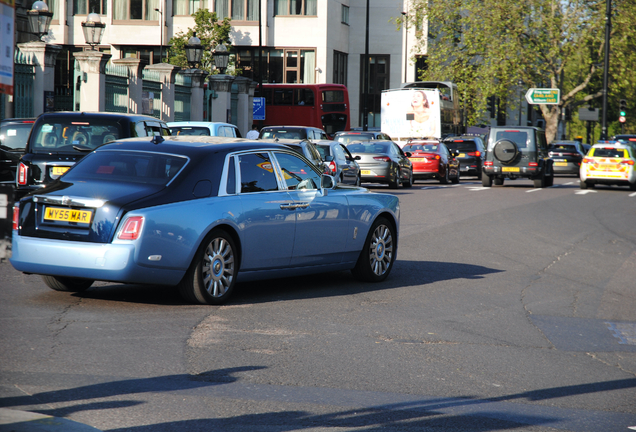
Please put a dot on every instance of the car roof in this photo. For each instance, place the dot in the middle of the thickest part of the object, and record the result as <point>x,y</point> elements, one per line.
<point>199,123</point>
<point>17,120</point>
<point>612,144</point>
<point>290,127</point>
<point>191,146</point>
<point>98,114</point>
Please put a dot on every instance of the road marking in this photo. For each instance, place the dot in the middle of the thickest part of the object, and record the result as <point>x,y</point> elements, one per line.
<point>532,190</point>
<point>632,194</point>
<point>474,188</point>
<point>584,192</point>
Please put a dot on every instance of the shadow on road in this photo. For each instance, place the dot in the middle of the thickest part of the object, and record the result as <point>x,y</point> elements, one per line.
<point>417,413</point>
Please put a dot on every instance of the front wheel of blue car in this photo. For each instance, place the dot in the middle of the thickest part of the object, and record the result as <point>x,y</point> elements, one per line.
<point>378,254</point>
<point>212,275</point>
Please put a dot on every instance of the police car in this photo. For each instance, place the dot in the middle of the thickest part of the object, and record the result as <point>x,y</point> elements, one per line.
<point>609,163</point>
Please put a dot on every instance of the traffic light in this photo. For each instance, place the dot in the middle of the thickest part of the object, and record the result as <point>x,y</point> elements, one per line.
<point>622,110</point>
<point>492,106</point>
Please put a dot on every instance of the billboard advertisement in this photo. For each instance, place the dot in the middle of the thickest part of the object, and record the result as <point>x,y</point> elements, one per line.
<point>7,22</point>
<point>411,113</point>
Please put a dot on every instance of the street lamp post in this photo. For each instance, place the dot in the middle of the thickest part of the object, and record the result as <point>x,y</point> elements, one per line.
<point>608,29</point>
<point>161,34</point>
<point>93,29</point>
<point>221,58</point>
<point>39,19</point>
<point>194,51</point>
<point>406,46</point>
<point>365,76</point>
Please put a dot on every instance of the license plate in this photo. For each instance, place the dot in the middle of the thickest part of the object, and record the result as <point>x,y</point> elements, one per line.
<point>560,164</point>
<point>366,172</point>
<point>59,170</point>
<point>418,160</point>
<point>67,215</point>
<point>510,169</point>
<point>462,155</point>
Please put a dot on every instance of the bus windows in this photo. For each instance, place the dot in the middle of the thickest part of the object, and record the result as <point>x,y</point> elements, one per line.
<point>333,96</point>
<point>304,97</point>
<point>283,96</point>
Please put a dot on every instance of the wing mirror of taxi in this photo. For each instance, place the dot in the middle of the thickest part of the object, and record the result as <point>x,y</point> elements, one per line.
<point>328,182</point>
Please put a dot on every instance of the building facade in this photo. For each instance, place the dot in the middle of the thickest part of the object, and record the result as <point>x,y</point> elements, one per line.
<point>303,41</point>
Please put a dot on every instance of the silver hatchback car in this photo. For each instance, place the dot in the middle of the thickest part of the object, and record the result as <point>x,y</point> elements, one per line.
<point>340,163</point>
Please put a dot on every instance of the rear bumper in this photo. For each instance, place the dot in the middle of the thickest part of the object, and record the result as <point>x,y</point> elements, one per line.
<point>529,172</point>
<point>107,262</point>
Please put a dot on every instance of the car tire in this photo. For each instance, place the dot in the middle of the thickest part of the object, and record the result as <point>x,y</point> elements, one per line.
<point>445,179</point>
<point>486,181</point>
<point>212,274</point>
<point>358,181</point>
<point>408,183</point>
<point>455,179</point>
<point>582,184</point>
<point>393,184</point>
<point>67,284</point>
<point>499,181</point>
<point>505,150</point>
<point>632,186</point>
<point>378,253</point>
<point>540,181</point>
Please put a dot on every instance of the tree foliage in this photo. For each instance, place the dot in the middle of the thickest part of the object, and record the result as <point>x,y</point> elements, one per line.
<point>504,47</point>
<point>209,30</point>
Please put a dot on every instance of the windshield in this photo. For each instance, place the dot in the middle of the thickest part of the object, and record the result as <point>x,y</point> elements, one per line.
<point>190,130</point>
<point>520,137</point>
<point>127,166</point>
<point>15,136</point>
<point>64,135</point>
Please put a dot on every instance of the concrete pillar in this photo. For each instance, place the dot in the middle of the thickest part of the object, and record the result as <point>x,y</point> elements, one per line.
<point>244,110</point>
<point>43,56</point>
<point>222,105</point>
<point>197,97</point>
<point>167,73</point>
<point>93,80</point>
<point>135,82</point>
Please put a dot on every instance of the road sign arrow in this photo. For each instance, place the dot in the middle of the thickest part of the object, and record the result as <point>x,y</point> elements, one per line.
<point>543,96</point>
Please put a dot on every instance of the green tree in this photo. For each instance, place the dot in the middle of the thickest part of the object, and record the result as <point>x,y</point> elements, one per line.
<point>504,47</point>
<point>210,30</point>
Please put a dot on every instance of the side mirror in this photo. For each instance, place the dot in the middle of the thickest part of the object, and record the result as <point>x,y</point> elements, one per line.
<point>455,153</point>
<point>328,182</point>
<point>408,154</point>
<point>328,158</point>
<point>357,157</point>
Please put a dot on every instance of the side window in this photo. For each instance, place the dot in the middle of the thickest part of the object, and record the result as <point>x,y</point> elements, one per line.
<point>140,129</point>
<point>339,152</point>
<point>298,175</point>
<point>257,173</point>
<point>231,178</point>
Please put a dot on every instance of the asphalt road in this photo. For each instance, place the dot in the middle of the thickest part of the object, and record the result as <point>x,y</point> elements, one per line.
<point>509,309</point>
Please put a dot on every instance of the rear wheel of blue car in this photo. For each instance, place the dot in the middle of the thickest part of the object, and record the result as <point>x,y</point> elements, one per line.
<point>378,254</point>
<point>67,284</point>
<point>212,275</point>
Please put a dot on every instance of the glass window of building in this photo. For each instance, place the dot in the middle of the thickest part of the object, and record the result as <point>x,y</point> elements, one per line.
<point>124,10</point>
<point>296,7</point>
<point>84,7</point>
<point>237,10</point>
<point>185,7</point>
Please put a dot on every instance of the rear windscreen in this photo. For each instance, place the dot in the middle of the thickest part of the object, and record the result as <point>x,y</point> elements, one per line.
<point>283,134</point>
<point>562,148</point>
<point>64,135</point>
<point>190,130</point>
<point>324,150</point>
<point>520,138</point>
<point>127,166</point>
<point>609,152</point>
<point>368,148</point>
<point>15,136</point>
<point>346,139</point>
<point>465,146</point>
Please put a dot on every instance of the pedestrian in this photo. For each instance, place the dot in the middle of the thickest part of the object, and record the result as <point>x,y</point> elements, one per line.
<point>253,134</point>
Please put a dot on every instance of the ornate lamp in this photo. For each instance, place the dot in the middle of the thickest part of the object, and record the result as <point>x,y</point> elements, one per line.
<point>221,57</point>
<point>93,30</point>
<point>194,51</point>
<point>40,19</point>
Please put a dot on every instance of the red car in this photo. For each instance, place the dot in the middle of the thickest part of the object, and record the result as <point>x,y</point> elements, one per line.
<point>433,160</point>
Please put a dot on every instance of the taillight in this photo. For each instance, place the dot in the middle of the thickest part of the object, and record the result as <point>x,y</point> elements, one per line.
<point>533,164</point>
<point>132,228</point>
<point>475,153</point>
<point>437,157</point>
<point>628,162</point>
<point>16,216</point>
<point>488,163</point>
<point>332,166</point>
<point>382,158</point>
<point>22,174</point>
<point>587,160</point>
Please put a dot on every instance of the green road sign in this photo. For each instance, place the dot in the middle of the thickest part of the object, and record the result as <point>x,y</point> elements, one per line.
<point>537,96</point>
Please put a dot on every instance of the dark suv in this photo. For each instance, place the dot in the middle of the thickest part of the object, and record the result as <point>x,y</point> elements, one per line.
<point>471,153</point>
<point>59,139</point>
<point>514,152</point>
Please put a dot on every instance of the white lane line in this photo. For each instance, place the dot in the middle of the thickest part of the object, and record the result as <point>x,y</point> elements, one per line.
<point>532,190</point>
<point>473,188</point>
<point>584,192</point>
<point>632,194</point>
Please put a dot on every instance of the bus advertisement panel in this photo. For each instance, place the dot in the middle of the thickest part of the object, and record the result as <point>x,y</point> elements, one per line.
<point>324,106</point>
<point>411,113</point>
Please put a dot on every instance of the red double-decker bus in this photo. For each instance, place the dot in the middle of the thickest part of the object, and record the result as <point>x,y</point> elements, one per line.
<point>319,105</point>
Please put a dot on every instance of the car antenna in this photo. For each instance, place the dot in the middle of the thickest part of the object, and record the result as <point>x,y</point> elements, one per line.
<point>157,139</point>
